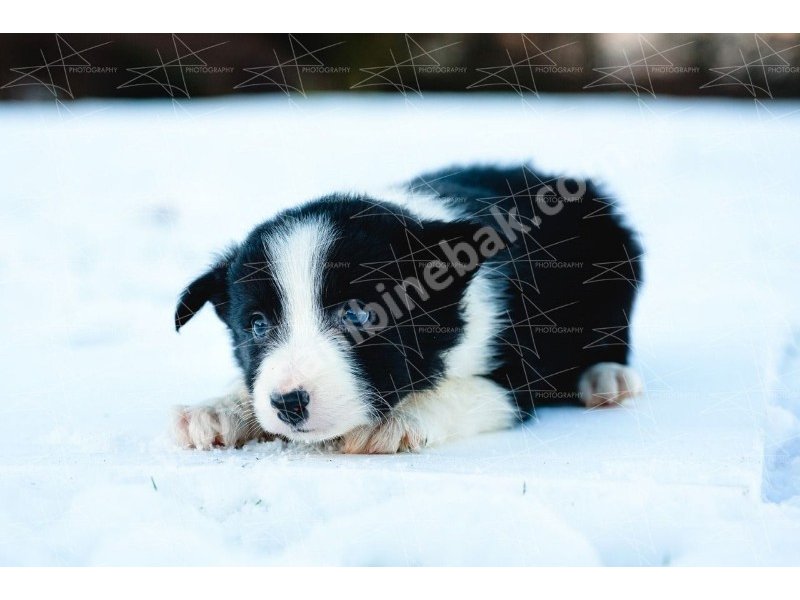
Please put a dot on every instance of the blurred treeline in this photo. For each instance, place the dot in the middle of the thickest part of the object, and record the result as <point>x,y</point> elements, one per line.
<point>69,66</point>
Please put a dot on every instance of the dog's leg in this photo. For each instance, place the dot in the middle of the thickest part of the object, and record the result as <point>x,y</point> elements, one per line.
<point>228,421</point>
<point>455,408</point>
<point>608,383</point>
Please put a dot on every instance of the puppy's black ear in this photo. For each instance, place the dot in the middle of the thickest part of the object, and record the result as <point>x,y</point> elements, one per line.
<point>211,286</point>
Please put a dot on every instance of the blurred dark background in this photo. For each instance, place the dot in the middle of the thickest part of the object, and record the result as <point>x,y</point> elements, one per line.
<point>71,66</point>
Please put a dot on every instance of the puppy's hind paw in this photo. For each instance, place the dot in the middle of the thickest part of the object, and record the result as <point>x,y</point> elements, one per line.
<point>608,384</point>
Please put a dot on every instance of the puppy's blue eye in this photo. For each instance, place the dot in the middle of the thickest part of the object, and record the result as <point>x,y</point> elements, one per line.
<point>259,325</point>
<point>355,314</point>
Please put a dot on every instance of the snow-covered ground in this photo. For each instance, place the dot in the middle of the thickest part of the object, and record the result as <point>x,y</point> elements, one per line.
<point>109,209</point>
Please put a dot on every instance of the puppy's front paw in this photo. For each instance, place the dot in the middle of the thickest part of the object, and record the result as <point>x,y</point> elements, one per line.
<point>204,427</point>
<point>396,434</point>
<point>608,383</point>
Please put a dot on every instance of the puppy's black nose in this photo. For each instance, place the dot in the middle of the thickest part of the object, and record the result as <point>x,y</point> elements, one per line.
<point>291,406</point>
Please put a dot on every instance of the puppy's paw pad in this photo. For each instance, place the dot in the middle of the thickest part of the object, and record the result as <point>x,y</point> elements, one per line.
<point>608,384</point>
<point>202,427</point>
<point>389,437</point>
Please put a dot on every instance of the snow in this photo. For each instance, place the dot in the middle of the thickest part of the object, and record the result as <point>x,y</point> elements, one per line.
<point>110,208</point>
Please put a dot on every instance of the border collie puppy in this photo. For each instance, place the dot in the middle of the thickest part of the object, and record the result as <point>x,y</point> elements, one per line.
<point>452,306</point>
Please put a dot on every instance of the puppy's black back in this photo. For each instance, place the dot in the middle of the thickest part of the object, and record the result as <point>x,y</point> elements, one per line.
<point>569,282</point>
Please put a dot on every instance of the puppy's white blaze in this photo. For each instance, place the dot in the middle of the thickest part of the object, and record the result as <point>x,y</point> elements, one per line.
<point>481,308</point>
<point>311,354</point>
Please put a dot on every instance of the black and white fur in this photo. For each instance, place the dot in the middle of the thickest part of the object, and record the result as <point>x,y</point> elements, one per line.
<point>544,319</point>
